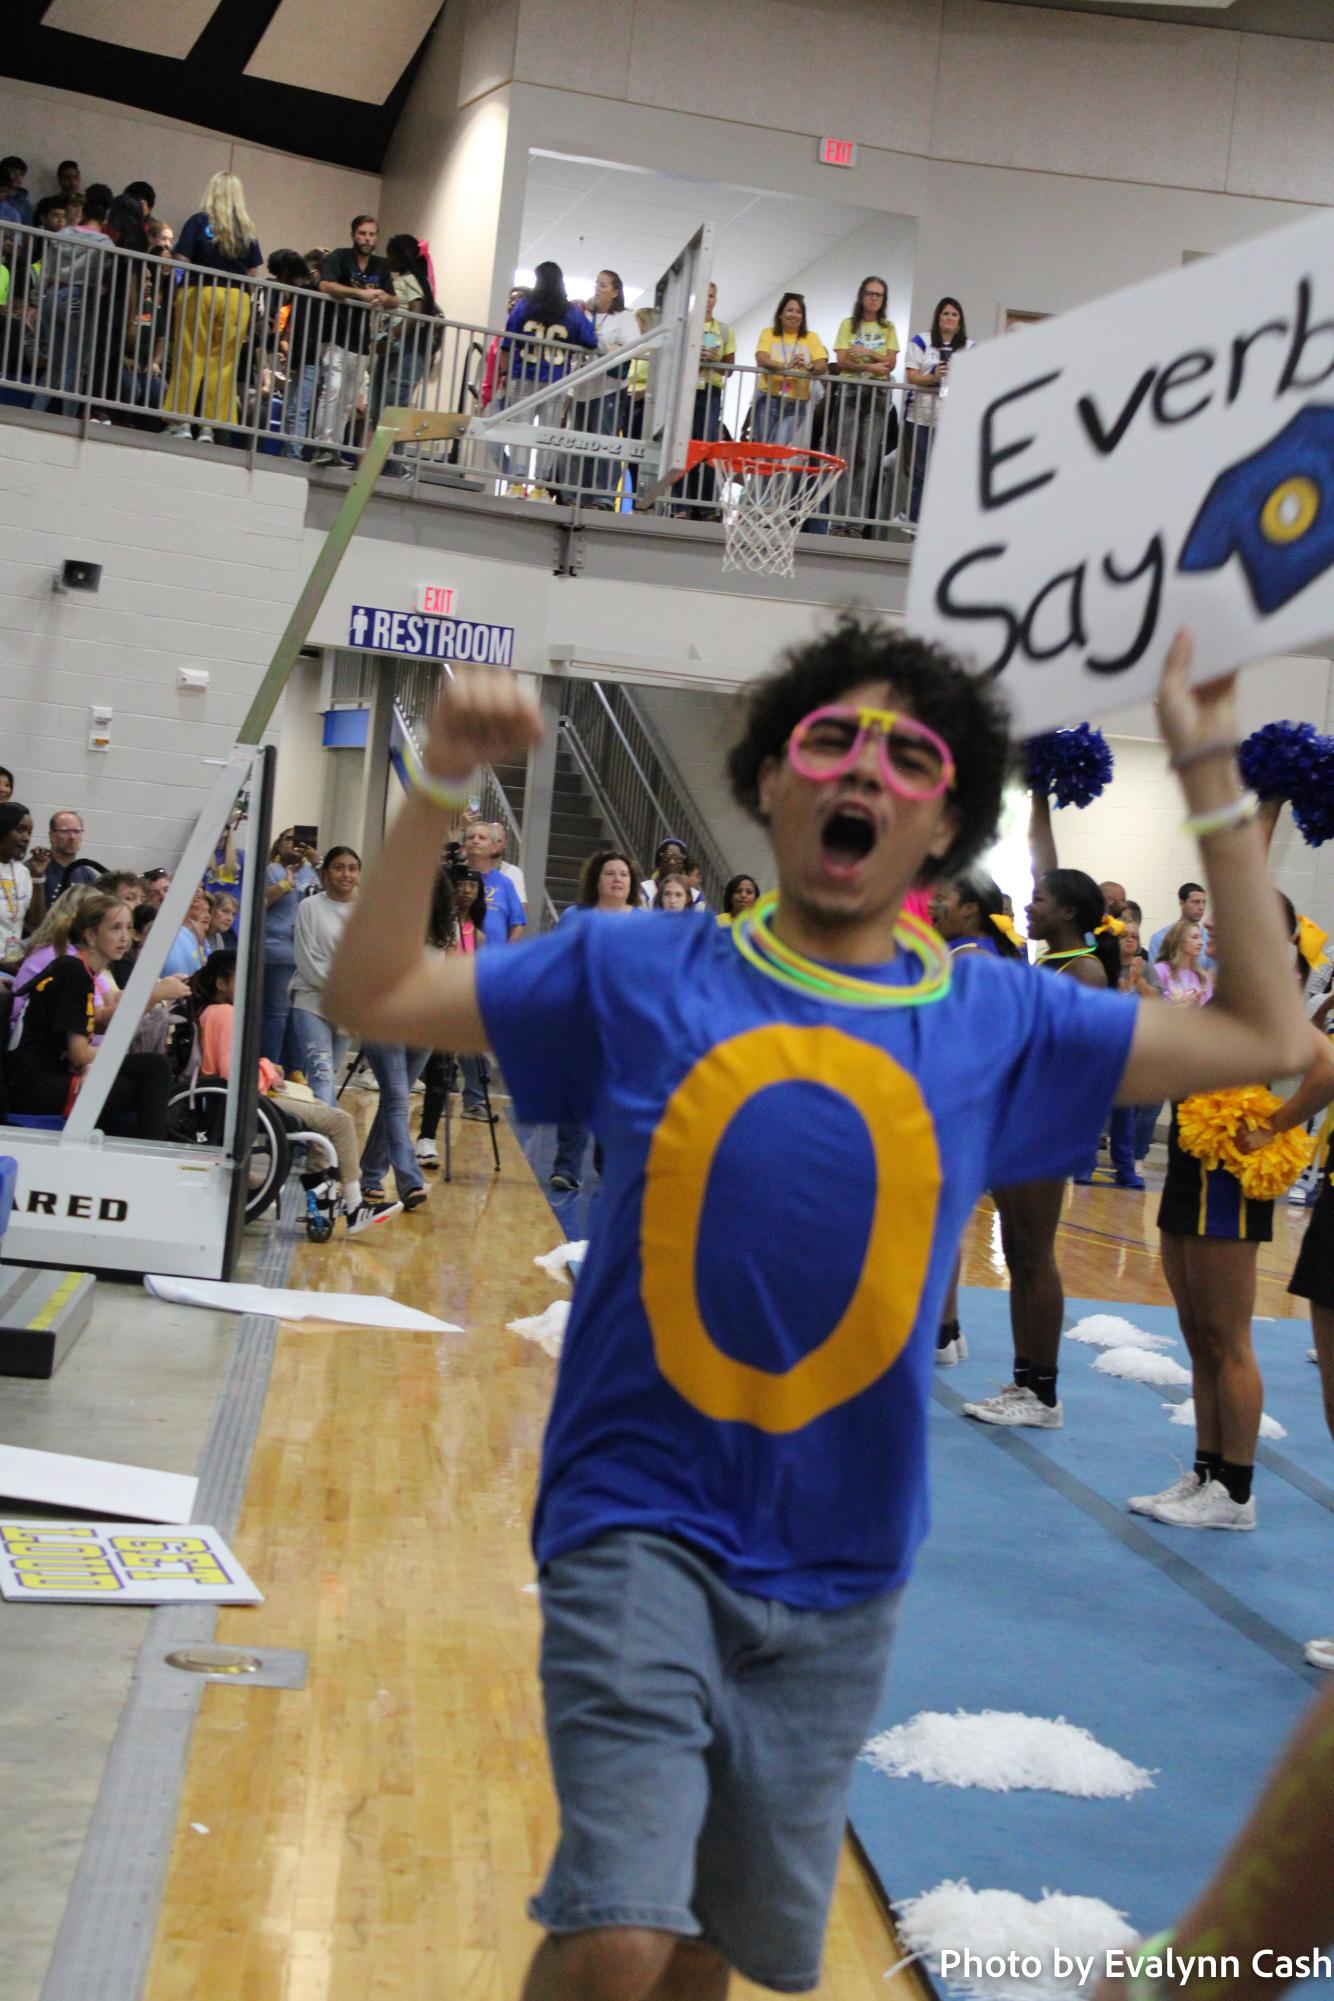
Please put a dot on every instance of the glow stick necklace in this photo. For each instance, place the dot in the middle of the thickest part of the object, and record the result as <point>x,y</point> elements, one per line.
<point>752,934</point>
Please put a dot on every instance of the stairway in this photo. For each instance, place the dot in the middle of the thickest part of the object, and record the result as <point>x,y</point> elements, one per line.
<point>577,828</point>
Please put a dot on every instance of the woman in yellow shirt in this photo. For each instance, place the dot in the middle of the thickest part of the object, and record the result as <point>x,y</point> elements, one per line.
<point>790,354</point>
<point>859,426</point>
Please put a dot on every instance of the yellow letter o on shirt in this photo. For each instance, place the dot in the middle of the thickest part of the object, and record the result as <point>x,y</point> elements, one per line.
<point>880,1316</point>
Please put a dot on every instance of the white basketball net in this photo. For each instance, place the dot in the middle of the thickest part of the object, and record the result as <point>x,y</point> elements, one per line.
<point>763,512</point>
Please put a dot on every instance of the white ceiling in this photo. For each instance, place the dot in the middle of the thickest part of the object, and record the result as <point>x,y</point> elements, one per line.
<point>589,216</point>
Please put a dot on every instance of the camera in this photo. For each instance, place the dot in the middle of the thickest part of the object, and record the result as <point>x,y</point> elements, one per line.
<point>454,861</point>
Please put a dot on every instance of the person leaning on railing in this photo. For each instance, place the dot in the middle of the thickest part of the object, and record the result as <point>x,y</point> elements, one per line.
<point>410,339</point>
<point>792,354</point>
<point>861,425</point>
<point>927,368</point>
<point>212,313</point>
<point>717,358</point>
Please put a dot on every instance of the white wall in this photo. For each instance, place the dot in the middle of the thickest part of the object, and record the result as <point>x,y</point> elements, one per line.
<point>294,202</point>
<point>201,564</point>
<point>696,729</point>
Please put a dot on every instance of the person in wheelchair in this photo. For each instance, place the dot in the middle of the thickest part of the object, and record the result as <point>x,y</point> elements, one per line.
<point>330,1190</point>
<point>61,1018</point>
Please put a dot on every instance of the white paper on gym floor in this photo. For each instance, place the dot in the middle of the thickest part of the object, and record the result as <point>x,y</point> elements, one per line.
<point>95,1486</point>
<point>119,1563</point>
<point>1161,457</point>
<point>356,1309</point>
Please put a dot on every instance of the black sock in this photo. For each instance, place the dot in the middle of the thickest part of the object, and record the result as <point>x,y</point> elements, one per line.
<point>947,1331</point>
<point>1042,1382</point>
<point>1208,1465</point>
<point>1023,1373</point>
<point>1237,1480</point>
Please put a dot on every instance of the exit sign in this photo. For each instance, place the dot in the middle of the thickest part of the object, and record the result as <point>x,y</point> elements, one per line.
<point>838,152</point>
<point>436,598</point>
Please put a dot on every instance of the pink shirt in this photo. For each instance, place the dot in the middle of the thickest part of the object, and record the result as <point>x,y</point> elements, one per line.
<point>1183,981</point>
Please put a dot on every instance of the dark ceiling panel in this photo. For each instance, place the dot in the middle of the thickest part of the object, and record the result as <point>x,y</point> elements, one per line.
<point>209,86</point>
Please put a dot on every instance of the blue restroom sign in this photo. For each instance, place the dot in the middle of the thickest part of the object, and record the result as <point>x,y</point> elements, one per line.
<point>422,636</point>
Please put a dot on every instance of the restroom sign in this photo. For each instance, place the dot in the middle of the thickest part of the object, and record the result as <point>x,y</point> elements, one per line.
<point>423,636</point>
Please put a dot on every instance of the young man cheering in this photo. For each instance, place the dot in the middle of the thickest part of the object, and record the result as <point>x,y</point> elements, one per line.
<point>798,1114</point>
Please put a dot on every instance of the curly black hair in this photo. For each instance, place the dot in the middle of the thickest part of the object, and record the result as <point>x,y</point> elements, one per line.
<point>959,706</point>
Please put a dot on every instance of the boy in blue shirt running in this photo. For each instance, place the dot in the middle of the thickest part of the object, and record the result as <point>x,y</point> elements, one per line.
<point>798,1114</point>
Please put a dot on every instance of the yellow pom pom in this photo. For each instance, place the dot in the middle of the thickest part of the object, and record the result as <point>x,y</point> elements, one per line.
<point>1210,1124</point>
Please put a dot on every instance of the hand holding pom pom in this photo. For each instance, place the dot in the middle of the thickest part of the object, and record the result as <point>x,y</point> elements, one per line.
<point>1072,767</point>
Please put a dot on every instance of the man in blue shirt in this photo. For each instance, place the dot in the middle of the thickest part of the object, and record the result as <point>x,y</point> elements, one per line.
<point>15,201</point>
<point>1192,900</point>
<point>798,1114</point>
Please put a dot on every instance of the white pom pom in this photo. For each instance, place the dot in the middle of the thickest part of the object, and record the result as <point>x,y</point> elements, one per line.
<point>1001,1750</point>
<point>1010,1941</point>
<point>1134,1365</point>
<point>1108,1330</point>
<point>547,1329</point>
<point>554,1262</point>
<point>1184,1413</point>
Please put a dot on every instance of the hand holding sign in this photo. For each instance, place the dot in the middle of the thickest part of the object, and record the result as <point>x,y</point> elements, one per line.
<point>1163,457</point>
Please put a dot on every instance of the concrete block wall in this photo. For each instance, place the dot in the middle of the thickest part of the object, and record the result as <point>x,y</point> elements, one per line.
<point>201,564</point>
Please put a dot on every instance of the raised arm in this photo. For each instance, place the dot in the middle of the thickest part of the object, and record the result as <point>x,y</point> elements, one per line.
<point>1254,1028</point>
<point>383,982</point>
<point>1041,837</point>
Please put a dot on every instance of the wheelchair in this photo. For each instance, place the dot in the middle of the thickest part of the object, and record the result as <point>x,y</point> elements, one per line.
<point>197,1116</point>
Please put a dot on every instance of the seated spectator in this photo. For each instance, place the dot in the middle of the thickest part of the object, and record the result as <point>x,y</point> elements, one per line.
<point>6,784</point>
<point>159,882</point>
<point>161,236</point>
<point>68,866</point>
<point>213,996</point>
<point>22,902</point>
<point>15,201</point>
<point>124,885</point>
<point>297,336</point>
<point>56,1048</point>
<point>858,420</point>
<point>1178,966</point>
<point>741,892</point>
<point>189,949</point>
<point>223,910</point>
<point>50,214</point>
<point>673,894</point>
<point>213,312</point>
<point>361,284</point>
<point>792,356</point>
<point>927,368</point>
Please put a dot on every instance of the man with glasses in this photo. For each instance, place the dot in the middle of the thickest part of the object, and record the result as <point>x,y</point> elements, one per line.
<point>799,1113</point>
<point>65,868</point>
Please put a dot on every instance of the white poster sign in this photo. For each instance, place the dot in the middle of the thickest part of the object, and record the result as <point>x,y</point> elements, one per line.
<point>120,1563</point>
<point>1162,457</point>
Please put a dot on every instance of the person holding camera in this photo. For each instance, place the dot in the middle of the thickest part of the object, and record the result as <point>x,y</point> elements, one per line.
<point>289,878</point>
<point>927,368</point>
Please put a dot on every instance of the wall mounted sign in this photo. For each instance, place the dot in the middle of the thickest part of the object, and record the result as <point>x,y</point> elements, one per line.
<point>421,636</point>
<point>436,598</point>
<point>120,1563</point>
<point>837,153</point>
<point>1159,458</point>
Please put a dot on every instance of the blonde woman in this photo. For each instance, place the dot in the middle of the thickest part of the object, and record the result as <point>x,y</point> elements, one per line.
<point>212,309</point>
<point>1178,967</point>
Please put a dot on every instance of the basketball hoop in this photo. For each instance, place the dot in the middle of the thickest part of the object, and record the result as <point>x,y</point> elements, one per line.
<point>766,492</point>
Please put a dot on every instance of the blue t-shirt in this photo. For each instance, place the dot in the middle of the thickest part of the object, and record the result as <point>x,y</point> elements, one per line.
<point>544,364</point>
<point>186,956</point>
<point>752,1342</point>
<point>503,908</point>
<point>280,917</point>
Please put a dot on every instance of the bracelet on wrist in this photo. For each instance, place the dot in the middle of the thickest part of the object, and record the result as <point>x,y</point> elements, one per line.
<point>451,795</point>
<point>1200,753</point>
<point>1238,812</point>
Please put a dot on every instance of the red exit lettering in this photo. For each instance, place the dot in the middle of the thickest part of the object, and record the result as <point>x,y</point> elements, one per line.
<point>838,152</point>
<point>438,598</point>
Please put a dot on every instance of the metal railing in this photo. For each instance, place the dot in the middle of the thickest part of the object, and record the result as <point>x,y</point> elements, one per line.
<point>637,788</point>
<point>111,336</point>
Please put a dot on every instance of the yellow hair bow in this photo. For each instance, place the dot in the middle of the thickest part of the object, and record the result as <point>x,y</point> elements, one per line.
<point>1005,925</point>
<point>1109,923</point>
<point>1311,940</point>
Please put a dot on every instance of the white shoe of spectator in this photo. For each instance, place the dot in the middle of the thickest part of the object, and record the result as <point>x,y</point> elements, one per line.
<point>181,431</point>
<point>428,1154</point>
<point>205,434</point>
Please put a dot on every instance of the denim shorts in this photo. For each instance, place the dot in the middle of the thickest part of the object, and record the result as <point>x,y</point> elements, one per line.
<point>702,1744</point>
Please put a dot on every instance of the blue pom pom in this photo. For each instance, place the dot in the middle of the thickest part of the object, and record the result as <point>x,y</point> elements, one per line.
<point>1276,761</point>
<point>1313,794</point>
<point>1070,767</point>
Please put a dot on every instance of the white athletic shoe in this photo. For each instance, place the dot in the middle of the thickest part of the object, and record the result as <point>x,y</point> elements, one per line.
<point>428,1154</point>
<point>1209,1507</point>
<point>953,1352</point>
<point>1320,1653</point>
<point>1017,1406</point>
<point>1180,1490</point>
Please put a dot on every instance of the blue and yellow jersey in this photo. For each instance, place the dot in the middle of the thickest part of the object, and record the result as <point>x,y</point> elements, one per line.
<point>750,1350</point>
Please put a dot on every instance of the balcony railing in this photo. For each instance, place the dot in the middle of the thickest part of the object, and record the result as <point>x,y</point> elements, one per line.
<point>109,336</point>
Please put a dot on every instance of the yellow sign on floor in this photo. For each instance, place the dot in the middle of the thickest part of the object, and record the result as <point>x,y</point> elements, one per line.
<point>120,1563</point>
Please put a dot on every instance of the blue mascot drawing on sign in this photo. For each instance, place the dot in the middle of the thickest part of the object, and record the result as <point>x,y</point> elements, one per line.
<point>1274,511</point>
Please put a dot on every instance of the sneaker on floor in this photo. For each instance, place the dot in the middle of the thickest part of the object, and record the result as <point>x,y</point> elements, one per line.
<point>1017,1406</point>
<point>327,458</point>
<point>951,1352</point>
<point>367,1214</point>
<point>205,434</point>
<point>363,1079</point>
<point>1131,1181</point>
<point>414,1199</point>
<point>428,1153</point>
<point>479,1115</point>
<point>1209,1507</point>
<point>1180,1490</point>
<point>564,1184</point>
<point>1320,1653</point>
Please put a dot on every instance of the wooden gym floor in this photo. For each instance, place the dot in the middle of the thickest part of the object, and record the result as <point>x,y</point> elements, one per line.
<point>375,1836</point>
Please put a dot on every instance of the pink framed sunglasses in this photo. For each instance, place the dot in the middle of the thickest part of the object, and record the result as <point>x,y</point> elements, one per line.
<point>914,762</point>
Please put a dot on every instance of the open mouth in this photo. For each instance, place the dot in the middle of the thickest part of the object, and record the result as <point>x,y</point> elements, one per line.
<point>846,839</point>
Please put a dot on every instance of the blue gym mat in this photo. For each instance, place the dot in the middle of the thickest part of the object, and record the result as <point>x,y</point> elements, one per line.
<point>1038,1592</point>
